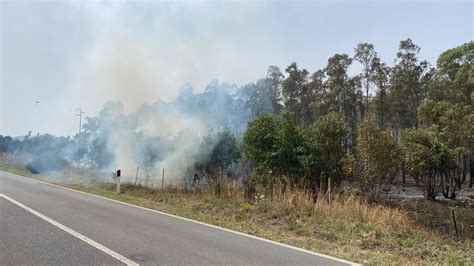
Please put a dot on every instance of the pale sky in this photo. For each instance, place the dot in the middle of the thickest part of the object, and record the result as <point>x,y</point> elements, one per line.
<point>80,54</point>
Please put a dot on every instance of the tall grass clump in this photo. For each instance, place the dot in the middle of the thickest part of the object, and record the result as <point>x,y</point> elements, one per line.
<point>349,209</point>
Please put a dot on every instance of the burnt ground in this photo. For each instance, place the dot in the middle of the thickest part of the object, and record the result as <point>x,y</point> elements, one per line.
<point>436,215</point>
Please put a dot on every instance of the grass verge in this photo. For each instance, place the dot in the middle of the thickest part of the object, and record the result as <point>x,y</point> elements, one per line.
<point>349,228</point>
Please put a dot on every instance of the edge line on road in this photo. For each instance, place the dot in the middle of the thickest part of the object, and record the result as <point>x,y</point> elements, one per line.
<point>194,221</point>
<point>68,230</point>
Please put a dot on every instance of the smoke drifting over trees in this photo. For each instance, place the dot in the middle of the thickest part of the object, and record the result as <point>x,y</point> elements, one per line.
<point>301,126</point>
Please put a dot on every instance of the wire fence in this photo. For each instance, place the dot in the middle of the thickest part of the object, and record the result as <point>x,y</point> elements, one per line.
<point>165,179</point>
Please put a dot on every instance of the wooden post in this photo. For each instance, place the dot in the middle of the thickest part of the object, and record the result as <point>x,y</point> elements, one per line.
<point>136,177</point>
<point>329,190</point>
<point>163,179</point>
<point>455,225</point>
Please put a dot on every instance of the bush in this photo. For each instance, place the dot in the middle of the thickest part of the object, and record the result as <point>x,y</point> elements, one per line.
<point>378,156</point>
<point>277,148</point>
<point>217,154</point>
<point>329,135</point>
<point>47,162</point>
<point>427,159</point>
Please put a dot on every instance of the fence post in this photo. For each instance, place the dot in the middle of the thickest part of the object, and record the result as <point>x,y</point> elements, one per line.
<point>163,179</point>
<point>136,177</point>
<point>455,224</point>
<point>329,190</point>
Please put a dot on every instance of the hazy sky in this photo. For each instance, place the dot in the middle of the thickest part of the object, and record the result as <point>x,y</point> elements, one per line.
<point>70,55</point>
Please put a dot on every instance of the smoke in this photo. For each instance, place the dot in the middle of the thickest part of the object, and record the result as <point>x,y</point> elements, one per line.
<point>158,89</point>
<point>129,73</point>
<point>153,137</point>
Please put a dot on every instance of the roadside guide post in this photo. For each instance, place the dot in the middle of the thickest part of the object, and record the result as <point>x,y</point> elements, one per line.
<point>119,172</point>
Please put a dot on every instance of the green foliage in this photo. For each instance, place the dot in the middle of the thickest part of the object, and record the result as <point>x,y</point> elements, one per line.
<point>344,93</point>
<point>407,88</point>
<point>366,55</point>
<point>378,155</point>
<point>451,61</point>
<point>217,153</point>
<point>264,96</point>
<point>261,144</point>
<point>426,158</point>
<point>449,110</point>
<point>292,149</point>
<point>277,148</point>
<point>8,144</point>
<point>296,94</point>
<point>310,142</point>
<point>329,135</point>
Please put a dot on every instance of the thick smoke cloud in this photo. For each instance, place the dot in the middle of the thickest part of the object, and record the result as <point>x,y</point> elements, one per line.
<point>161,135</point>
<point>138,68</point>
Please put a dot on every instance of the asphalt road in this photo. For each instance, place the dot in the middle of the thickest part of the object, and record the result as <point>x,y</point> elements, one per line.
<point>28,239</point>
<point>142,236</point>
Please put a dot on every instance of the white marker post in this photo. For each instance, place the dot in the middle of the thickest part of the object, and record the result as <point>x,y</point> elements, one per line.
<point>119,172</point>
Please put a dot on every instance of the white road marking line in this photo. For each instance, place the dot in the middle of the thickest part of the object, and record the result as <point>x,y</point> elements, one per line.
<point>194,221</point>
<point>72,232</point>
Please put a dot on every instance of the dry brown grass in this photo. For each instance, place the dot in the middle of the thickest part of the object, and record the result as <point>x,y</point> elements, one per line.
<point>349,227</point>
<point>352,209</point>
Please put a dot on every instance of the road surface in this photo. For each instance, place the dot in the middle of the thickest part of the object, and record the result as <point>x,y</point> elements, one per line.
<point>46,224</point>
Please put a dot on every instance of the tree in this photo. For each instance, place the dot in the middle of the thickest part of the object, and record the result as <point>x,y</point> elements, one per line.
<point>277,148</point>
<point>260,145</point>
<point>427,159</point>
<point>378,155</point>
<point>264,96</point>
<point>452,61</point>
<point>275,80</point>
<point>449,108</point>
<point>291,149</point>
<point>366,55</point>
<point>407,88</point>
<point>217,153</point>
<point>320,102</point>
<point>381,81</point>
<point>296,93</point>
<point>330,134</point>
<point>344,94</point>
<point>5,143</point>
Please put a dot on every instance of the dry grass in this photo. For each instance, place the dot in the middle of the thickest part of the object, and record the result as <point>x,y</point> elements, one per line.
<point>351,209</point>
<point>349,227</point>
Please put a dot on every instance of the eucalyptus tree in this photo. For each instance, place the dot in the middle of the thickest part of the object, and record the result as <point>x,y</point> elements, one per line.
<point>407,88</point>
<point>366,55</point>
<point>379,155</point>
<point>449,109</point>
<point>263,96</point>
<point>296,93</point>
<point>428,160</point>
<point>381,80</point>
<point>344,92</point>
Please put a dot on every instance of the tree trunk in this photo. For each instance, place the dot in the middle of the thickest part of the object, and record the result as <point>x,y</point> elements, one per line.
<point>403,175</point>
<point>367,98</point>
<point>458,170</point>
<point>471,168</point>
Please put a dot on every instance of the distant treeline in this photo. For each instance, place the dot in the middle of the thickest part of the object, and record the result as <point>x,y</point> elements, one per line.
<point>409,119</point>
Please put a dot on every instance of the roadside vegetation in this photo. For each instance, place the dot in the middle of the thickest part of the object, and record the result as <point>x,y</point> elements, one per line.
<point>307,160</point>
<point>349,227</point>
